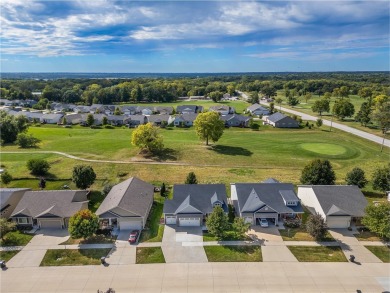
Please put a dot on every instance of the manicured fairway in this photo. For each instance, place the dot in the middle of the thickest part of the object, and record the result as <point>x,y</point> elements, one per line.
<point>324,148</point>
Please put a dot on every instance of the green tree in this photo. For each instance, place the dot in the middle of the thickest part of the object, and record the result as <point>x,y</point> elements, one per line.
<point>191,178</point>
<point>343,108</point>
<point>381,179</point>
<point>216,96</point>
<point>318,172</point>
<point>6,177</point>
<point>83,224</point>
<point>90,119</point>
<point>83,176</point>
<point>117,111</point>
<point>365,92</point>
<point>316,226</point>
<point>272,107</point>
<point>209,126</point>
<point>307,97</point>
<point>27,140</point>
<point>356,177</point>
<point>279,101</point>
<point>292,101</point>
<point>319,122</point>
<point>364,114</point>
<point>38,167</point>
<point>11,126</point>
<point>147,138</point>
<point>320,106</point>
<point>231,89</point>
<point>105,120</point>
<point>377,219</point>
<point>240,227</point>
<point>217,222</point>
<point>344,92</point>
<point>254,97</point>
<point>381,116</point>
<point>136,94</point>
<point>5,227</point>
<point>268,90</point>
<point>163,190</point>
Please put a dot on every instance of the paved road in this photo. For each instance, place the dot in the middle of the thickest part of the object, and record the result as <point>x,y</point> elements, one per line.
<point>343,127</point>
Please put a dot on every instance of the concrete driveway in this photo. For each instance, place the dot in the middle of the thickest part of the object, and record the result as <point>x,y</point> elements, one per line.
<point>264,235</point>
<point>123,253</point>
<point>183,245</point>
<point>48,237</point>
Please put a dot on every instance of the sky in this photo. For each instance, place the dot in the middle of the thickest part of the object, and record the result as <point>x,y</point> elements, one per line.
<point>193,36</point>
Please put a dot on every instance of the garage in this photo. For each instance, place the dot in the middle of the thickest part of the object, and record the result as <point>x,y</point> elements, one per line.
<point>170,220</point>
<point>338,221</point>
<point>130,225</point>
<point>271,217</point>
<point>248,220</point>
<point>189,222</point>
<point>50,224</point>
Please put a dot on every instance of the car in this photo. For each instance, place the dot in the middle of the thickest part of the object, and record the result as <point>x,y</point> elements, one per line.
<point>133,236</point>
<point>263,223</point>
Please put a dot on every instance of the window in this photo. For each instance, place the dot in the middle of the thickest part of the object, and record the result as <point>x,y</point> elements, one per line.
<point>23,220</point>
<point>217,204</point>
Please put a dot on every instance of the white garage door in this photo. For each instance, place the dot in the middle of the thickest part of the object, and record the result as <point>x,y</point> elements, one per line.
<point>170,220</point>
<point>338,222</point>
<point>130,225</point>
<point>54,224</point>
<point>189,222</point>
<point>248,220</point>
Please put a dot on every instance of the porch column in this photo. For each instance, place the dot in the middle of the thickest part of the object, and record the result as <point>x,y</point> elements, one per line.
<point>109,221</point>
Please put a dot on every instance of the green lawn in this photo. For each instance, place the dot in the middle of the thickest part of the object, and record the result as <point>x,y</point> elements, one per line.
<point>367,236</point>
<point>153,231</point>
<point>300,234</point>
<point>318,253</point>
<point>229,236</point>
<point>149,255</point>
<point>73,257</point>
<point>250,253</point>
<point>95,200</point>
<point>7,255</point>
<point>382,252</point>
<point>16,238</point>
<point>96,239</point>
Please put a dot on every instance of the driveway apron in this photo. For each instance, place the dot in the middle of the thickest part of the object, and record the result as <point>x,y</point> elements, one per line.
<point>183,245</point>
<point>123,253</point>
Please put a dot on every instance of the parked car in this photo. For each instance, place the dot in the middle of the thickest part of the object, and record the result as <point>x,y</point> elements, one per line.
<point>134,236</point>
<point>264,223</point>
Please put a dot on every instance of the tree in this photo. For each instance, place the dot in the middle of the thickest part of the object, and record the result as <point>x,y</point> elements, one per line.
<point>105,120</point>
<point>316,226</point>
<point>364,114</point>
<point>38,167</point>
<point>64,121</point>
<point>6,177</point>
<point>191,178</point>
<point>271,107</point>
<point>216,96</point>
<point>292,100</point>
<point>117,111</point>
<point>83,224</point>
<point>356,177</point>
<point>319,122</point>
<point>11,126</point>
<point>365,92</point>
<point>381,116</point>
<point>27,140</point>
<point>83,176</point>
<point>307,97</point>
<point>381,179</point>
<point>254,97</point>
<point>209,126</point>
<point>268,90</point>
<point>377,219</point>
<point>318,172</point>
<point>5,227</point>
<point>240,227</point>
<point>279,101</point>
<point>320,106</point>
<point>42,183</point>
<point>147,138</point>
<point>344,92</point>
<point>343,108</point>
<point>90,119</point>
<point>217,222</point>
<point>163,190</point>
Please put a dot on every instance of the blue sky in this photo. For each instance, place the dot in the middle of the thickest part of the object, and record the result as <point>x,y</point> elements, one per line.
<point>193,36</point>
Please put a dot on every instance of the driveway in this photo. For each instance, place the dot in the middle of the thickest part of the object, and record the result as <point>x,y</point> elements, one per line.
<point>123,253</point>
<point>48,237</point>
<point>265,235</point>
<point>183,245</point>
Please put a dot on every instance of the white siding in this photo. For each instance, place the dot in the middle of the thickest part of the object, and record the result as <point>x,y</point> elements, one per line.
<point>309,199</point>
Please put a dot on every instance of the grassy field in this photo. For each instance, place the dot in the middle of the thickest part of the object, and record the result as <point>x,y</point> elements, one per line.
<point>248,253</point>
<point>15,238</point>
<point>241,155</point>
<point>318,253</point>
<point>73,257</point>
<point>149,255</point>
<point>382,252</point>
<point>7,255</point>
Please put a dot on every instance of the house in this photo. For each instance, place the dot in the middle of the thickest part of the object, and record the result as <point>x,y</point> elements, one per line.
<point>144,110</point>
<point>118,120</point>
<point>108,109</point>
<point>96,108</point>
<point>9,199</point>
<point>127,205</point>
<point>280,120</point>
<point>185,109</point>
<point>257,109</point>
<point>136,120</point>
<point>98,119</point>
<point>81,109</point>
<point>128,110</point>
<point>72,119</point>
<point>270,180</point>
<point>234,120</point>
<point>339,205</point>
<point>158,119</point>
<point>51,118</point>
<point>222,109</point>
<point>192,203</point>
<point>271,201</point>
<point>186,119</point>
<point>163,110</point>
<point>49,209</point>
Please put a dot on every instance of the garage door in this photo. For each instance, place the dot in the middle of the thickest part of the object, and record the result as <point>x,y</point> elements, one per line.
<point>248,220</point>
<point>189,222</point>
<point>46,224</point>
<point>338,222</point>
<point>130,225</point>
<point>170,220</point>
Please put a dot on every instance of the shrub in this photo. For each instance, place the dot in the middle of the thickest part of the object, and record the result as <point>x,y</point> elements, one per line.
<point>27,140</point>
<point>83,176</point>
<point>316,226</point>
<point>38,166</point>
<point>292,223</point>
<point>6,178</point>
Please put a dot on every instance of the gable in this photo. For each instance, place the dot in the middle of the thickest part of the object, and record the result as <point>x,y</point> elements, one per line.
<point>266,209</point>
<point>253,202</point>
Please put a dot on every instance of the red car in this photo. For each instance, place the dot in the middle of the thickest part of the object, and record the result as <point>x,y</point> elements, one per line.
<point>133,236</point>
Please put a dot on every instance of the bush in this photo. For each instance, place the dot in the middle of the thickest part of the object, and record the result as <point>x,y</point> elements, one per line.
<point>107,188</point>
<point>27,141</point>
<point>356,177</point>
<point>108,127</point>
<point>38,166</point>
<point>6,178</point>
<point>83,176</point>
<point>316,226</point>
<point>292,223</point>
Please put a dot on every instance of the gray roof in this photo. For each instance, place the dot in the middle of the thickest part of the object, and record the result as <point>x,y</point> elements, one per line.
<point>270,180</point>
<point>60,203</point>
<point>240,118</point>
<point>52,116</point>
<point>6,193</point>
<point>276,117</point>
<point>219,108</point>
<point>256,107</point>
<point>132,195</point>
<point>164,109</point>
<point>158,118</point>
<point>189,108</point>
<point>251,196</point>
<point>340,199</point>
<point>189,116</point>
<point>197,197</point>
<point>140,118</point>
